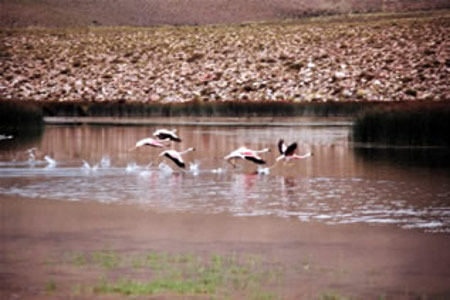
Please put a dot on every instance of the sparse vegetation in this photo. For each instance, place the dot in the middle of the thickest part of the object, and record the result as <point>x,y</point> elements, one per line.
<point>50,286</point>
<point>333,296</point>
<point>180,273</point>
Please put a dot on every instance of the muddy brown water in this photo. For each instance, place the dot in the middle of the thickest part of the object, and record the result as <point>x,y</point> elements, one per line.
<point>350,221</point>
<point>340,183</point>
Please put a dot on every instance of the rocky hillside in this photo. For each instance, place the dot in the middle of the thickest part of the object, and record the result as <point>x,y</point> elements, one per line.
<point>367,57</point>
<point>57,13</point>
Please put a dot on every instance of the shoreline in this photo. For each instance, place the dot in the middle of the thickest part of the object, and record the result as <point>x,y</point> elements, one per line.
<point>348,260</point>
<point>203,121</point>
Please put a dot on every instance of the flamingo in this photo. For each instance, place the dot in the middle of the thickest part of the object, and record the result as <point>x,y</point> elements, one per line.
<point>148,142</point>
<point>164,134</point>
<point>248,154</point>
<point>175,156</point>
<point>288,152</point>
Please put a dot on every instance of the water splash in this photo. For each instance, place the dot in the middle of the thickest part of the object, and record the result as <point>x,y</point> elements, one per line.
<point>132,167</point>
<point>31,156</point>
<point>194,167</point>
<point>145,173</point>
<point>165,168</point>
<point>86,166</point>
<point>51,163</point>
<point>218,171</point>
<point>263,171</point>
<point>105,162</point>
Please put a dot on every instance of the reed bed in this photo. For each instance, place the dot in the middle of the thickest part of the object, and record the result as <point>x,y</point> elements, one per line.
<point>413,124</point>
<point>203,109</point>
<point>21,123</point>
<point>20,118</point>
<point>20,113</point>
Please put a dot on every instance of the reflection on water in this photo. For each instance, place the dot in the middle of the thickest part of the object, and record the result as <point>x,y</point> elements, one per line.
<point>83,163</point>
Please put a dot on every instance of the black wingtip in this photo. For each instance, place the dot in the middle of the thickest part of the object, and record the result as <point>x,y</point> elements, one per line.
<point>280,146</point>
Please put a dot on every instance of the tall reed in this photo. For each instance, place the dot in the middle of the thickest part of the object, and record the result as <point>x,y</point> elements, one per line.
<point>202,109</point>
<point>15,115</point>
<point>414,124</point>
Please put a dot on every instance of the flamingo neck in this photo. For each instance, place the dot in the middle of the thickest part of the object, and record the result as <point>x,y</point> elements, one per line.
<point>263,150</point>
<point>187,150</point>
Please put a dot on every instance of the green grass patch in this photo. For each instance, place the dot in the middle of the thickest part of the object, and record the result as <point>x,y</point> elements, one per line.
<point>50,286</point>
<point>333,296</point>
<point>107,259</point>
<point>202,285</point>
<point>179,273</point>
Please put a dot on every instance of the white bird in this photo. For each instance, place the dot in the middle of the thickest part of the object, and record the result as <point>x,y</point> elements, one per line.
<point>164,134</point>
<point>175,156</point>
<point>148,142</point>
<point>248,154</point>
<point>5,137</point>
<point>288,152</point>
<point>31,156</point>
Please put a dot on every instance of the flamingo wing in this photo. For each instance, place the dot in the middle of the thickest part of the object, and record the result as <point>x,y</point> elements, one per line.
<point>281,146</point>
<point>290,149</point>
<point>176,159</point>
<point>256,159</point>
<point>164,134</point>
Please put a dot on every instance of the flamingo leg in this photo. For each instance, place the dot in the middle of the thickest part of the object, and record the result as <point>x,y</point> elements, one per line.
<point>229,161</point>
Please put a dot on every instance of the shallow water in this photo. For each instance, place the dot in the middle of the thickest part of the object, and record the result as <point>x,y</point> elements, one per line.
<point>339,184</point>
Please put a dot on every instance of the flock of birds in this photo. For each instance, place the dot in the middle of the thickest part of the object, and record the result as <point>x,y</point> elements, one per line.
<point>163,138</point>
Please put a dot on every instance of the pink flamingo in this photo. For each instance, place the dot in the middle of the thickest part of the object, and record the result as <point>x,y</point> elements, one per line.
<point>175,156</point>
<point>164,134</point>
<point>288,152</point>
<point>148,142</point>
<point>248,154</point>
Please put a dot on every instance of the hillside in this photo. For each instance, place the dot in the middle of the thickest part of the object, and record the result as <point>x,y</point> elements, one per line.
<point>375,57</point>
<point>61,13</point>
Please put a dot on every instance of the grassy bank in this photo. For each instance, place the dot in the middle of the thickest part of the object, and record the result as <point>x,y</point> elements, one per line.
<point>416,123</point>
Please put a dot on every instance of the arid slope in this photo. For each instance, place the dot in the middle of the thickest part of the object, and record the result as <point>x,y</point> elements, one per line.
<point>57,13</point>
<point>374,57</point>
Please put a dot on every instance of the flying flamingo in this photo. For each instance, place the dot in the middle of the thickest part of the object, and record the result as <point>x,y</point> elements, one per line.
<point>164,134</point>
<point>175,156</point>
<point>288,152</point>
<point>148,142</point>
<point>248,154</point>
